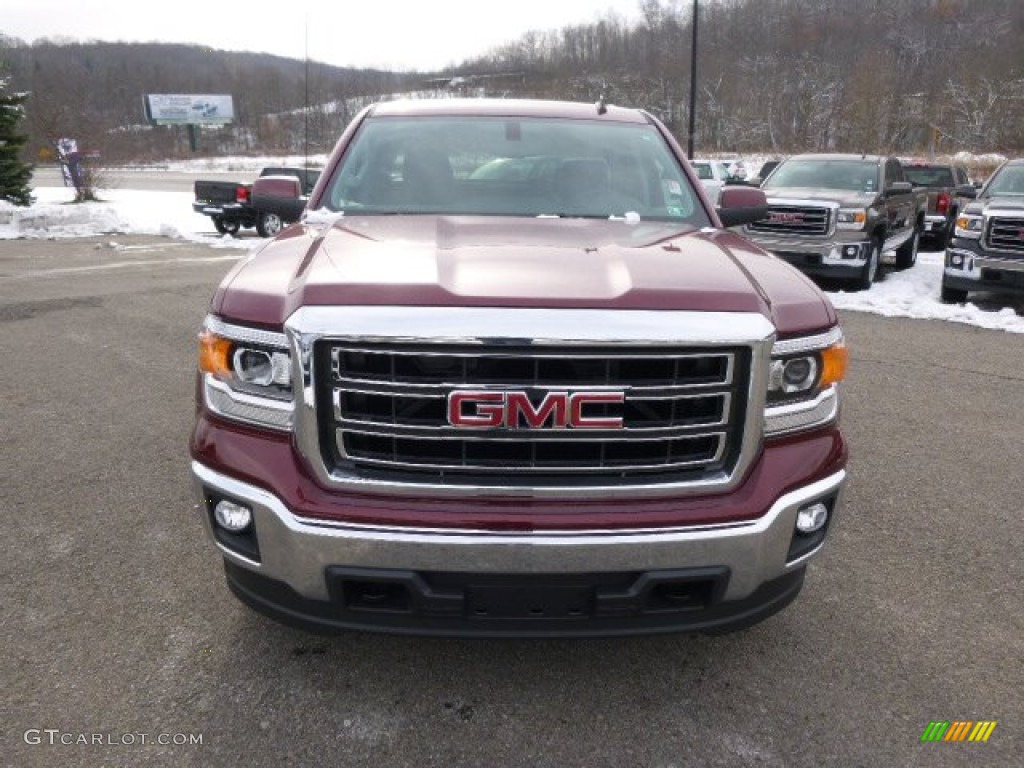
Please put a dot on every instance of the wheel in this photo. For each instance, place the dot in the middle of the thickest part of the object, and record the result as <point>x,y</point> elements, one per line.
<point>268,224</point>
<point>870,271</point>
<point>225,227</point>
<point>906,254</point>
<point>952,295</point>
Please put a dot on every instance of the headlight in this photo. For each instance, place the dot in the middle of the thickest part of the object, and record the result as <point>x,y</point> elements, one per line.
<point>797,374</point>
<point>852,218</point>
<point>262,367</point>
<point>802,382</point>
<point>247,373</point>
<point>968,226</point>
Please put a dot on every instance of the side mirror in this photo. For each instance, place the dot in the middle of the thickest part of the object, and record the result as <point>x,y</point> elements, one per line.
<point>899,188</point>
<point>741,205</point>
<point>967,191</point>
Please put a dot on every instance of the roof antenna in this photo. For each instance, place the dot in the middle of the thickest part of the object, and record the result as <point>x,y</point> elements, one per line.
<point>305,106</point>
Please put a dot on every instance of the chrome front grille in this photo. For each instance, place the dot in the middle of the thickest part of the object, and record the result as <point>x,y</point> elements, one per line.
<point>1006,234</point>
<point>794,220</point>
<point>384,407</point>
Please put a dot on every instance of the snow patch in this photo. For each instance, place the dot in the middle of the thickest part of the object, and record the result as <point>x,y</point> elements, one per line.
<point>914,293</point>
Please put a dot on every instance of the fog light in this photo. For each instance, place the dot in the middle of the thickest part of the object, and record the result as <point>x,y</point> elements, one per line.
<point>811,519</point>
<point>851,251</point>
<point>232,517</point>
<point>956,260</point>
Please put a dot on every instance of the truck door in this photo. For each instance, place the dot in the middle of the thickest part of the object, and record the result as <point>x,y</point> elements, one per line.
<point>899,207</point>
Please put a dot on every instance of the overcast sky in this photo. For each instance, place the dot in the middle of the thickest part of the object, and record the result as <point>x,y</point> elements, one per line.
<point>389,34</point>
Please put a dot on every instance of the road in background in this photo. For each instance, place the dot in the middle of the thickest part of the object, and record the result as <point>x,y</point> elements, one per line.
<point>153,179</point>
<point>118,624</point>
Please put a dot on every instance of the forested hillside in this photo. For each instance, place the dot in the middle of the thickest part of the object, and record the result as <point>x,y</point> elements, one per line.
<point>788,75</point>
<point>774,76</point>
<point>94,93</point>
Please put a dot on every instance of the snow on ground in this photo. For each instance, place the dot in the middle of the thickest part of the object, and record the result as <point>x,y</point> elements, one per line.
<point>123,211</point>
<point>251,164</point>
<point>913,293</point>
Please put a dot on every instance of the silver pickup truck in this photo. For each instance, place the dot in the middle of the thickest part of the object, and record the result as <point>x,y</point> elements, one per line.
<point>841,216</point>
<point>987,249</point>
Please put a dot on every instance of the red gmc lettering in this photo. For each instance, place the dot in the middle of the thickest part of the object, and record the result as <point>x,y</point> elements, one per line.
<point>489,412</point>
<point>514,410</point>
<point>580,421</point>
<point>552,406</point>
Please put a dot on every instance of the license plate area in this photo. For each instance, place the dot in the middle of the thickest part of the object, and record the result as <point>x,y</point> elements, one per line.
<point>530,598</point>
<point>542,601</point>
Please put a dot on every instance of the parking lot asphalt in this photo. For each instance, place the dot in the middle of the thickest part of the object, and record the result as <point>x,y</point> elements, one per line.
<point>118,630</point>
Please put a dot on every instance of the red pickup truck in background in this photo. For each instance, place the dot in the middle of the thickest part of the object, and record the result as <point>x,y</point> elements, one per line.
<point>567,402</point>
<point>275,199</point>
<point>949,190</point>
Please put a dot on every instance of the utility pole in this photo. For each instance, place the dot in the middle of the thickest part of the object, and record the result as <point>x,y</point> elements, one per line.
<point>693,84</point>
<point>305,101</point>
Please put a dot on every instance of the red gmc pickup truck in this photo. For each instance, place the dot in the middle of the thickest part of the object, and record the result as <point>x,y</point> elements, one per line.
<point>511,376</point>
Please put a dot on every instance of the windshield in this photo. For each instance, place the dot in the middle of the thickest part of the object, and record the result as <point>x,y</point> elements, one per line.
<point>703,170</point>
<point>848,175</point>
<point>512,167</point>
<point>1007,182</point>
<point>928,175</point>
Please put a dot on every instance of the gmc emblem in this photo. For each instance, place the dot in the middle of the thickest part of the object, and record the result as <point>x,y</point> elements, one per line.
<point>785,217</point>
<point>515,410</point>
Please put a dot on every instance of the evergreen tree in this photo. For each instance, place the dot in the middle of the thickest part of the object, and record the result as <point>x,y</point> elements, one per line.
<point>15,175</point>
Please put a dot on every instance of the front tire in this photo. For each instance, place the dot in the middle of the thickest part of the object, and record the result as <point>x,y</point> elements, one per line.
<point>870,272</point>
<point>269,224</point>
<point>906,254</point>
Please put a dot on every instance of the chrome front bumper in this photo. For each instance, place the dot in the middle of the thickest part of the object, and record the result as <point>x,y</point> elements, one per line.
<point>828,251</point>
<point>298,552</point>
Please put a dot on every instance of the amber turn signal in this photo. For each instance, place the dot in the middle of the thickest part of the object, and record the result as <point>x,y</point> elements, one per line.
<point>834,360</point>
<point>215,355</point>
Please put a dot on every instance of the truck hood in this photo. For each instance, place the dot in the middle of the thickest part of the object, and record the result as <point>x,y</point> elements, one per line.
<point>491,261</point>
<point>995,205</point>
<point>845,198</point>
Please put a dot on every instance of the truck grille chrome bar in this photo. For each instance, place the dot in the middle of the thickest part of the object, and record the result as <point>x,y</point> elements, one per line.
<point>534,403</point>
<point>794,220</point>
<point>388,408</point>
<point>1006,233</point>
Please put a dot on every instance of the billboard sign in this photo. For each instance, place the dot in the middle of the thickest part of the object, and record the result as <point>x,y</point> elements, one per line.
<point>189,108</point>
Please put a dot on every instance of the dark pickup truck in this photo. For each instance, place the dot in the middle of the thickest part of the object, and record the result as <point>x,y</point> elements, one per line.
<point>987,249</point>
<point>841,216</point>
<point>275,199</point>
<point>949,189</point>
